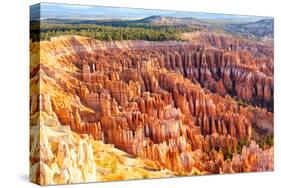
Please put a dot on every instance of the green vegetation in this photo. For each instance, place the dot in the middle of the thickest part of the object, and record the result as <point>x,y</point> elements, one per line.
<point>108,33</point>
<point>270,140</point>
<point>266,141</point>
<point>182,173</point>
<point>145,176</point>
<point>262,137</point>
<point>227,154</point>
<point>195,172</point>
<point>241,143</point>
<point>242,102</point>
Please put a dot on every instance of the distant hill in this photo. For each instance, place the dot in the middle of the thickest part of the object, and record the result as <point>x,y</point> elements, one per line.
<point>262,28</point>
<point>168,20</point>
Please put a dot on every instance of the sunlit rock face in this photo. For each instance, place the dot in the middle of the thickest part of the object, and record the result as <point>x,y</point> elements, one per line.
<point>178,108</point>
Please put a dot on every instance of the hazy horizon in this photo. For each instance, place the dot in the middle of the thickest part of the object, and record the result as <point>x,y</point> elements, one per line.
<point>71,11</point>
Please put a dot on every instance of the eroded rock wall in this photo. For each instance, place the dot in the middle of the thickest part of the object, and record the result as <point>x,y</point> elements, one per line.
<point>182,105</point>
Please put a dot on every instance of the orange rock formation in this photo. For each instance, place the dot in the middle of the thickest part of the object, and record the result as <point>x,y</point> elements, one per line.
<point>175,103</point>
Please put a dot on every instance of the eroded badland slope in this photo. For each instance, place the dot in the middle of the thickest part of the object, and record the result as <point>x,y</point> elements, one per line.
<point>136,109</point>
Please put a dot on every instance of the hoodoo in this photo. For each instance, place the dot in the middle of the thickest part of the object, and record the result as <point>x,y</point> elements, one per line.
<point>175,105</point>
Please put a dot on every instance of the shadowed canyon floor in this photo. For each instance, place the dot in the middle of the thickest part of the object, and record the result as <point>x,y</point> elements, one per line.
<point>124,110</point>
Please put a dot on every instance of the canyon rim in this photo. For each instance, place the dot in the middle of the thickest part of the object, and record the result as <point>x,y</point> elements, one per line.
<point>123,93</point>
